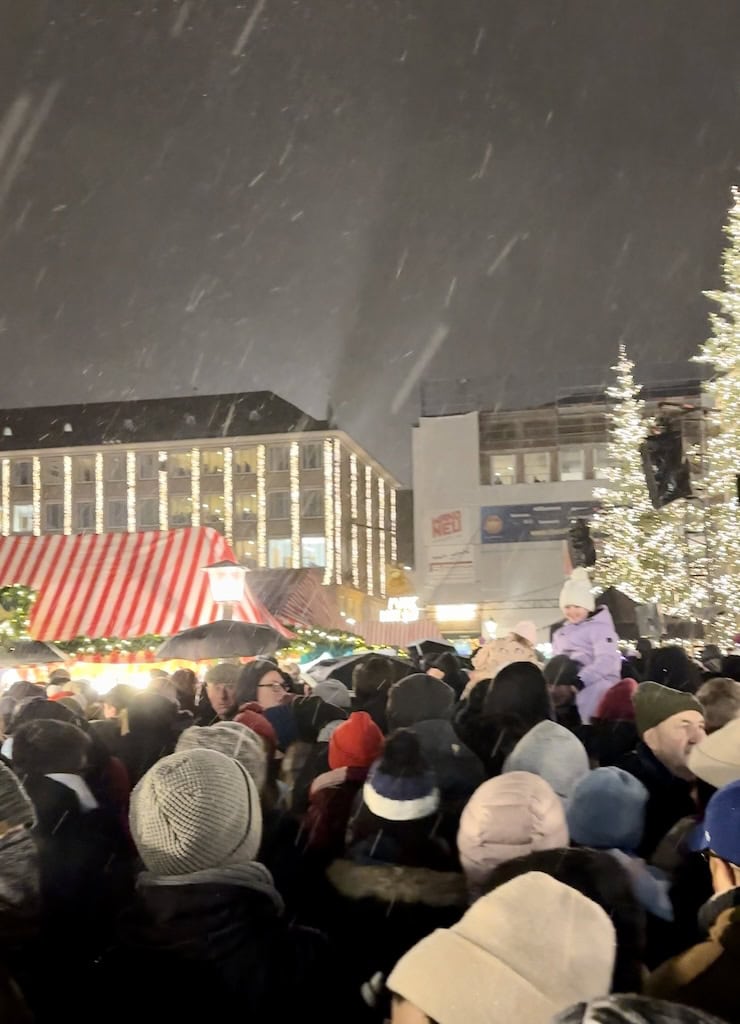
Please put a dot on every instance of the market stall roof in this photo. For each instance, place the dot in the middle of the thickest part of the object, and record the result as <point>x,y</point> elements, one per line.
<point>297,596</point>
<point>121,584</point>
<point>398,634</point>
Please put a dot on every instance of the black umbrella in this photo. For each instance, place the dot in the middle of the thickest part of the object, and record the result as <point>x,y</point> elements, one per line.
<point>421,648</point>
<point>343,668</point>
<point>224,638</point>
<point>29,652</point>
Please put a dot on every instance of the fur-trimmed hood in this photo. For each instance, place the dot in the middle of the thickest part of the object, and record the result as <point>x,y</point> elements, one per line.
<point>398,884</point>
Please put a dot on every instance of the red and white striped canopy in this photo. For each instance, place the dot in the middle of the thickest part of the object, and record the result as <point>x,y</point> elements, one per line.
<point>121,584</point>
<point>399,634</point>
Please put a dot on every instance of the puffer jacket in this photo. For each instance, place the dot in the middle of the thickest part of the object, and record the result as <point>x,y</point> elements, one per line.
<point>593,643</point>
<point>494,655</point>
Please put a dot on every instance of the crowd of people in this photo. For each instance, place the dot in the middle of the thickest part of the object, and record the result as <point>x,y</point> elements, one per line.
<point>515,843</point>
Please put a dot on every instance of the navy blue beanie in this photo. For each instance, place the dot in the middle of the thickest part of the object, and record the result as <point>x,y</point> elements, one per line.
<point>400,786</point>
<point>607,810</point>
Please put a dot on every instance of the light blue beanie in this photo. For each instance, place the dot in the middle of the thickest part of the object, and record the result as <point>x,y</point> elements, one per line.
<point>607,810</point>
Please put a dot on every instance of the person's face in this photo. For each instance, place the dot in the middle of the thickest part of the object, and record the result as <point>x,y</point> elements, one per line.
<point>270,689</point>
<point>672,740</point>
<point>405,1012</point>
<point>223,698</point>
<point>575,614</point>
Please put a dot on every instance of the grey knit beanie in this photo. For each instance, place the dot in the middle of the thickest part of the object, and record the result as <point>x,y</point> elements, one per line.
<point>333,691</point>
<point>193,810</point>
<point>234,740</point>
<point>15,807</point>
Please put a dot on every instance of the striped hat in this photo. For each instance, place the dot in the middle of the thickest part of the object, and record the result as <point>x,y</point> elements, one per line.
<point>400,786</point>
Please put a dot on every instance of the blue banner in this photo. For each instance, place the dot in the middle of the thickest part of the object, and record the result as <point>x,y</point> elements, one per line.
<point>514,524</point>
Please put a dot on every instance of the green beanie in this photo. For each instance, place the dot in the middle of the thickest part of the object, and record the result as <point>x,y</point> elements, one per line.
<point>654,703</point>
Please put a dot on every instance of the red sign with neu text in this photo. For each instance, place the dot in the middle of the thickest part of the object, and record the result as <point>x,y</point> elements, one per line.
<point>447,524</point>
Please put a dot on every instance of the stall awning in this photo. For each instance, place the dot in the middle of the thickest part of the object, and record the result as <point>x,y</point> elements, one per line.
<point>398,634</point>
<point>297,596</point>
<point>121,584</point>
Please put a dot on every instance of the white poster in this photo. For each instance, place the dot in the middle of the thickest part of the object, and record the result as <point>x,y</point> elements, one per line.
<point>451,563</point>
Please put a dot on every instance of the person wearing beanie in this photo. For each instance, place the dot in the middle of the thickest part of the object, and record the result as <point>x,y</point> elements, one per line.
<point>207,933</point>
<point>20,893</point>
<point>588,636</point>
<point>218,701</point>
<point>629,1009</point>
<point>396,880</point>
<point>669,723</point>
<point>334,692</point>
<point>372,678</point>
<point>353,747</point>
<point>706,975</point>
<point>257,722</point>
<point>425,705</point>
<point>235,741</point>
<point>720,700</point>
<point>447,667</point>
<point>563,684</point>
<point>716,759</point>
<point>613,732</point>
<point>607,812</point>
<point>553,753</point>
<point>307,756</point>
<point>488,968</point>
<point>508,817</point>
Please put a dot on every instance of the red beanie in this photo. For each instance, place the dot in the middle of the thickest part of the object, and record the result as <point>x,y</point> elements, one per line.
<point>616,704</point>
<point>356,743</point>
<point>257,722</point>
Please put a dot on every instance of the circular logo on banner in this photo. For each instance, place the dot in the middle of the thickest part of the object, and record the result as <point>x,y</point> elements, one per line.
<point>493,525</point>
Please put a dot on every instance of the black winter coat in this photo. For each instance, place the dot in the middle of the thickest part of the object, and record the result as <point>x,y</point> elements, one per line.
<point>670,798</point>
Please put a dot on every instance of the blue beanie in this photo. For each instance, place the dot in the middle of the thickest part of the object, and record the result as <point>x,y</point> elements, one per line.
<point>400,786</point>
<point>607,810</point>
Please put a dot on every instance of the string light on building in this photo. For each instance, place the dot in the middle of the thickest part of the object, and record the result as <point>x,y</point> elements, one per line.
<point>394,539</point>
<point>99,494</point>
<point>36,495</point>
<point>354,515</point>
<point>369,530</point>
<point>329,509</point>
<point>381,535</point>
<point>229,495</point>
<point>337,511</point>
<point>195,487</point>
<point>131,492</point>
<point>164,511</point>
<point>295,506</point>
<point>6,497</point>
<point>67,492</point>
<point>261,509</point>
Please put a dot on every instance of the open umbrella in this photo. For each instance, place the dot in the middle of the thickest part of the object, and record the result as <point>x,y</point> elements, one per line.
<point>225,638</point>
<point>29,652</point>
<point>421,648</point>
<point>342,668</point>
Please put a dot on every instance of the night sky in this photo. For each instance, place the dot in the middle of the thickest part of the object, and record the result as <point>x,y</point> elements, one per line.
<point>336,199</point>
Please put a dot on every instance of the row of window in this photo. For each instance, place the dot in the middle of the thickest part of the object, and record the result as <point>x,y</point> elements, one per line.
<point>177,464</point>
<point>544,467</point>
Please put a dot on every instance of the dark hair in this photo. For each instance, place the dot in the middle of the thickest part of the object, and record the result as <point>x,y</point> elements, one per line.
<point>185,682</point>
<point>631,1009</point>
<point>561,671</point>
<point>720,698</point>
<point>119,696</point>
<point>731,667</point>
<point>373,675</point>
<point>40,709</point>
<point>516,702</point>
<point>251,676</point>
<point>672,667</point>
<point>445,662</point>
<point>601,878</point>
<point>312,714</point>
<point>48,745</point>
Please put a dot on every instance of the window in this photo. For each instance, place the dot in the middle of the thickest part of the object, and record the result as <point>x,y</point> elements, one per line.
<point>116,468</point>
<point>246,551</point>
<point>147,512</point>
<point>313,551</point>
<point>117,514</point>
<point>180,511</point>
<point>245,460</point>
<point>311,456</point>
<point>312,503</point>
<point>537,468</point>
<point>278,504</point>
<point>211,463</point>
<point>572,464</point>
<point>278,458</point>
<point>54,513</point>
<point>22,474</point>
<point>601,461</point>
<point>52,471</point>
<point>147,465</point>
<point>503,469</point>
<point>178,464</point>
<point>246,508</point>
<point>85,469</point>
<point>85,516</point>
<point>212,510</point>
<point>22,518</point>
<point>278,553</point>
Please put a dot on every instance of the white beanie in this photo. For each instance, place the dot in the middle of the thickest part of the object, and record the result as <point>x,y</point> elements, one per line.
<point>193,810</point>
<point>234,740</point>
<point>577,591</point>
<point>505,961</point>
<point>552,752</point>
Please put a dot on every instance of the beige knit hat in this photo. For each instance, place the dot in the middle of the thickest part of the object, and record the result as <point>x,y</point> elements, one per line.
<point>508,817</point>
<point>522,953</point>
<point>193,810</point>
<point>234,740</point>
<point>716,759</point>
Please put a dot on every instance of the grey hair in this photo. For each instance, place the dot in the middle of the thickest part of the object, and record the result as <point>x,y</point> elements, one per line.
<point>628,1009</point>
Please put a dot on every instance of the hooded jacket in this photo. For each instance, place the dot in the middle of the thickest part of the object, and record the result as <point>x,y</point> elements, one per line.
<point>593,644</point>
<point>670,798</point>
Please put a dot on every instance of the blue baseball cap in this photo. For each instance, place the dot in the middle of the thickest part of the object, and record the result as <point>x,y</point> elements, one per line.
<point>720,830</point>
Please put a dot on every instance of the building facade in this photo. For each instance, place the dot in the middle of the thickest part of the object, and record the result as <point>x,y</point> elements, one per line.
<point>494,496</point>
<point>287,491</point>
